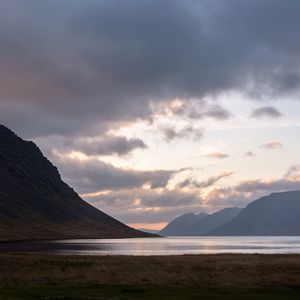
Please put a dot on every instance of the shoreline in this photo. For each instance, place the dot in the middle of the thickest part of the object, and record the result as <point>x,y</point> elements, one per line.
<point>77,238</point>
<point>163,246</point>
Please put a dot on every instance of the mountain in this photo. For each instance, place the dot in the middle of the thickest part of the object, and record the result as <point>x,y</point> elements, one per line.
<point>276,214</point>
<point>36,204</point>
<point>213,221</point>
<point>192,225</point>
<point>148,230</point>
<point>182,224</point>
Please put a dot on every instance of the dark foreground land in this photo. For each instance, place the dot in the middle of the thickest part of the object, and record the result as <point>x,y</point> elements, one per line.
<point>232,276</point>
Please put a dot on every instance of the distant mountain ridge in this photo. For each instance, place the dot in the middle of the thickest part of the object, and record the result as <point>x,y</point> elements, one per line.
<point>277,214</point>
<point>202,224</point>
<point>153,231</point>
<point>182,224</point>
<point>36,204</point>
<point>274,215</point>
<point>215,220</point>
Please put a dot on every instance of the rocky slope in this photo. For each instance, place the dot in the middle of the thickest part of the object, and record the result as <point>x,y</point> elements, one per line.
<point>36,204</point>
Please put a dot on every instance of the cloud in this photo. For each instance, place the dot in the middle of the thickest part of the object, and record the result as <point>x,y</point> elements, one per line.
<point>189,132</point>
<point>249,190</point>
<point>162,205</point>
<point>200,109</point>
<point>292,171</point>
<point>204,184</point>
<point>150,198</point>
<point>272,145</point>
<point>216,112</point>
<point>91,175</point>
<point>249,154</point>
<point>266,111</point>
<point>267,185</point>
<point>106,62</point>
<point>89,146</point>
<point>107,145</point>
<point>146,205</point>
<point>221,197</point>
<point>217,155</point>
<point>193,109</point>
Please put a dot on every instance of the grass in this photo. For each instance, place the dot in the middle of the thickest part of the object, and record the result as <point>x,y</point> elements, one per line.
<point>136,292</point>
<point>230,276</point>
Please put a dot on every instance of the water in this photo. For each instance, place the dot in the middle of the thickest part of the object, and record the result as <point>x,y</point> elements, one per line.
<point>159,246</point>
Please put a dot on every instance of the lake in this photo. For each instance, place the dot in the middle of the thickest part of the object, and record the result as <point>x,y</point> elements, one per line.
<point>159,246</point>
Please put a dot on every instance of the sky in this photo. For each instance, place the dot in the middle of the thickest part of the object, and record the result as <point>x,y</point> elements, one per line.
<point>155,108</point>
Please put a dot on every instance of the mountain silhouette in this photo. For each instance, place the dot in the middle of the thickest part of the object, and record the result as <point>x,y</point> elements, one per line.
<point>36,204</point>
<point>276,214</point>
<point>214,221</point>
<point>182,224</point>
<point>202,224</point>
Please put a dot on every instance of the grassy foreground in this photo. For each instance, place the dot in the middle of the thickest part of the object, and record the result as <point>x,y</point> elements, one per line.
<point>230,276</point>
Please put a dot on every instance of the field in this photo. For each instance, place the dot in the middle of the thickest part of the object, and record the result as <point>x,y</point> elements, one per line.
<point>231,276</point>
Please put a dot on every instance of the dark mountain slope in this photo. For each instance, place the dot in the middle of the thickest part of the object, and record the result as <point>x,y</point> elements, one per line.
<point>276,214</point>
<point>182,224</point>
<point>213,221</point>
<point>36,204</point>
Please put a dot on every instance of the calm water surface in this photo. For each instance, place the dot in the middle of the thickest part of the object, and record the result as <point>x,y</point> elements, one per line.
<point>159,246</point>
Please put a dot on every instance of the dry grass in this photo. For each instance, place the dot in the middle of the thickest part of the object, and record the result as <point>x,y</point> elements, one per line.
<point>226,270</point>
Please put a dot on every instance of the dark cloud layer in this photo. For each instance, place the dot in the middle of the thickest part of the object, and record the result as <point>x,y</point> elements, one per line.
<point>75,69</point>
<point>105,145</point>
<point>93,175</point>
<point>109,145</point>
<point>77,66</point>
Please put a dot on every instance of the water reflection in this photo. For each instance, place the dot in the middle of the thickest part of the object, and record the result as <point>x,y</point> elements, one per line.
<point>159,246</point>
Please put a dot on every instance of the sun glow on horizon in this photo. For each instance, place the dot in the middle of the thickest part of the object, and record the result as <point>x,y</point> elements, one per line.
<point>148,226</point>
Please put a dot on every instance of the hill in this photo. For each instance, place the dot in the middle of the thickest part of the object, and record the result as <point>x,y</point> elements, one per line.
<point>36,204</point>
<point>181,225</point>
<point>276,214</point>
<point>202,224</point>
<point>214,221</point>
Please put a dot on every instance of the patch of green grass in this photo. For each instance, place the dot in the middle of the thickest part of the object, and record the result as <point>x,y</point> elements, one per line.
<point>139,292</point>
